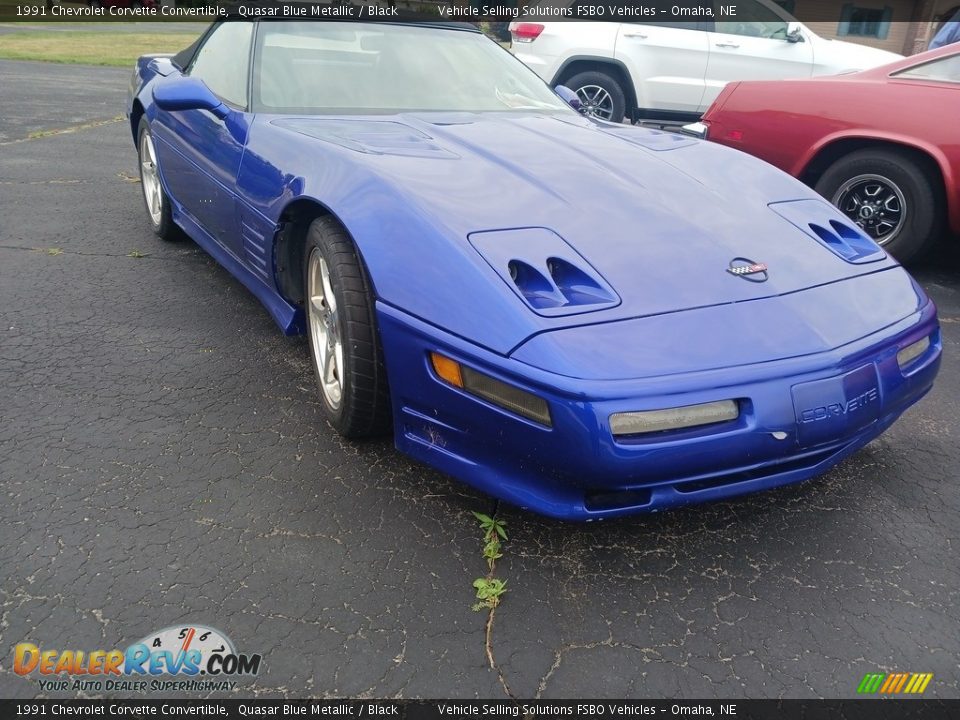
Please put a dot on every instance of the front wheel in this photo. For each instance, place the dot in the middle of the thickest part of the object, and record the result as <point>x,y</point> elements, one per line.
<point>342,333</point>
<point>600,95</point>
<point>890,196</point>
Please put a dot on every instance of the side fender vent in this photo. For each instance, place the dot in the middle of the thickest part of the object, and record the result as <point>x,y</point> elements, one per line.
<point>550,276</point>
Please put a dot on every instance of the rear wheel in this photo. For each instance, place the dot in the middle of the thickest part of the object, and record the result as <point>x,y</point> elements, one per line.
<point>342,333</point>
<point>890,196</point>
<point>600,94</point>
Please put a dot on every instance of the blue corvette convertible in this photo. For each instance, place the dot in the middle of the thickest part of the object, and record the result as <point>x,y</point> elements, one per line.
<point>581,318</point>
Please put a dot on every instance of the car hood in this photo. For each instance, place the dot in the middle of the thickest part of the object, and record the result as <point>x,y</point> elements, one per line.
<point>838,56</point>
<point>654,219</point>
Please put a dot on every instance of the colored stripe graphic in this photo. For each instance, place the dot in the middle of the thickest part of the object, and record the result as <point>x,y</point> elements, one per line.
<point>894,683</point>
<point>891,679</point>
<point>901,681</point>
<point>870,683</point>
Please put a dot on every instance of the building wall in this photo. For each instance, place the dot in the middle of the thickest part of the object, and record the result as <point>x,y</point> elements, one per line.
<point>894,41</point>
<point>900,17</point>
<point>912,22</point>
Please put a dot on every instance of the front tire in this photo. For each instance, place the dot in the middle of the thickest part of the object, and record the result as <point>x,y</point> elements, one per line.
<point>342,333</point>
<point>893,198</point>
<point>154,198</point>
<point>600,94</point>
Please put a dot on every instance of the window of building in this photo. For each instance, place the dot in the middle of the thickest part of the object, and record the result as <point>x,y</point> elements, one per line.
<point>865,22</point>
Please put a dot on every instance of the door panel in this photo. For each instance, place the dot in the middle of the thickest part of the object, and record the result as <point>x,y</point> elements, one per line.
<point>668,63</point>
<point>200,153</point>
<point>737,57</point>
<point>201,159</point>
<point>753,46</point>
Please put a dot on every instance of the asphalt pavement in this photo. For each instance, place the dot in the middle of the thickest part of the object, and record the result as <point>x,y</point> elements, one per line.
<point>163,460</point>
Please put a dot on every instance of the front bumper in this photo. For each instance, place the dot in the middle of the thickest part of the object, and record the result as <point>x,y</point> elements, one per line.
<point>577,470</point>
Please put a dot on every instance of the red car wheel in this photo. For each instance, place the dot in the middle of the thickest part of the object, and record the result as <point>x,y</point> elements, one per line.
<point>892,197</point>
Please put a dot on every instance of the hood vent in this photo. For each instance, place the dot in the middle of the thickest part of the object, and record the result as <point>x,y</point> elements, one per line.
<point>371,137</point>
<point>535,288</point>
<point>847,242</point>
<point>823,222</point>
<point>657,140</point>
<point>549,276</point>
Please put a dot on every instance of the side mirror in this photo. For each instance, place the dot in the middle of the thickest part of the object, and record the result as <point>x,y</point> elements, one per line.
<point>569,97</point>
<point>793,33</point>
<point>187,93</point>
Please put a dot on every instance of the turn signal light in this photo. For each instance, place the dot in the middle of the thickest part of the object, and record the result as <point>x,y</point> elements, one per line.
<point>447,369</point>
<point>636,423</point>
<point>508,397</point>
<point>912,352</point>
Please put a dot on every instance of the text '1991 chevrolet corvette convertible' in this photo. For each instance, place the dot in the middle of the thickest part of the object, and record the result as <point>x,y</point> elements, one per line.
<point>581,318</point>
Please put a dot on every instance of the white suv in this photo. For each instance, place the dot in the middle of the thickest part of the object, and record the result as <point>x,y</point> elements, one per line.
<point>675,69</point>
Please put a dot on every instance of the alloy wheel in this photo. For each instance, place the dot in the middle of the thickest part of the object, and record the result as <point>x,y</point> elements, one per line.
<point>150,179</point>
<point>595,102</point>
<point>325,330</point>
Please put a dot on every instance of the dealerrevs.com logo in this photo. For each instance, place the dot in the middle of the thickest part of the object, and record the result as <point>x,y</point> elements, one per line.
<point>200,658</point>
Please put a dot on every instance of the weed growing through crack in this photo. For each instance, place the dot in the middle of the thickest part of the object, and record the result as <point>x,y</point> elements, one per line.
<point>493,532</point>
<point>490,589</point>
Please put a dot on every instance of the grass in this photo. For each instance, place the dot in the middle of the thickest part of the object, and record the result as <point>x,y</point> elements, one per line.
<point>90,48</point>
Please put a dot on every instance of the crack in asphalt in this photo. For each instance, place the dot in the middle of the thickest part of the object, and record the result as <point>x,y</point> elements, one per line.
<point>58,251</point>
<point>57,181</point>
<point>43,134</point>
<point>488,630</point>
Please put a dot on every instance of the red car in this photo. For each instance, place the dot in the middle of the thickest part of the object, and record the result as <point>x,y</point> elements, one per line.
<point>883,145</point>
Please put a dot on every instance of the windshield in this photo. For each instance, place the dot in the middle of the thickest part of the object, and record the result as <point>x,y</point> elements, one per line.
<point>339,68</point>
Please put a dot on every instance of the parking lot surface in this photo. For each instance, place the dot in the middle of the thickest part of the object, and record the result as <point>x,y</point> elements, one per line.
<point>163,460</point>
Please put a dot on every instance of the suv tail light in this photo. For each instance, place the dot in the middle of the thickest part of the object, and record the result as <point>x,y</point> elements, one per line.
<point>526,32</point>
